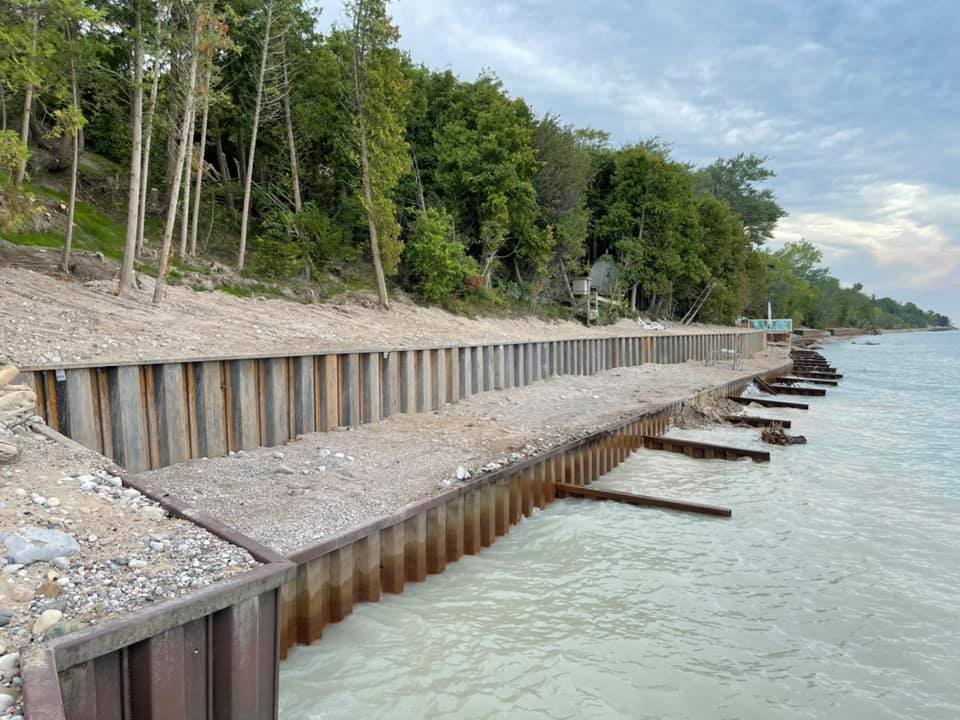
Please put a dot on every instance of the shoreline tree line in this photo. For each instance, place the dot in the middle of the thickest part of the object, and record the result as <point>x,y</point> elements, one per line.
<point>315,150</point>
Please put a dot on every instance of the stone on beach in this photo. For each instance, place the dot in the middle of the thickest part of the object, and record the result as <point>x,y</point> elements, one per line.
<point>47,619</point>
<point>33,544</point>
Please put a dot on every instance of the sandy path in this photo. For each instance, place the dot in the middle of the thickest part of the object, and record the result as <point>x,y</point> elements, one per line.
<point>48,321</point>
<point>328,482</point>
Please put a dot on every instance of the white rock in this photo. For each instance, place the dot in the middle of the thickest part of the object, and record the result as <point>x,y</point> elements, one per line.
<point>47,619</point>
<point>9,661</point>
<point>6,702</point>
<point>20,492</point>
<point>153,512</point>
<point>12,568</point>
<point>462,473</point>
<point>279,455</point>
<point>38,499</point>
<point>137,564</point>
<point>53,502</point>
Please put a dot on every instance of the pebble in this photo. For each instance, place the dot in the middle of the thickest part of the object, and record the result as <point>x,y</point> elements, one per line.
<point>47,619</point>
<point>284,470</point>
<point>6,702</point>
<point>12,568</point>
<point>462,473</point>
<point>38,499</point>
<point>115,482</point>
<point>153,512</point>
<point>157,546</point>
<point>20,492</point>
<point>61,563</point>
<point>279,455</point>
<point>9,661</point>
<point>137,564</point>
<point>53,502</point>
<point>6,615</point>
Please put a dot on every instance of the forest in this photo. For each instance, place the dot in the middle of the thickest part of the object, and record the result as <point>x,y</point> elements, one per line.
<point>233,133</point>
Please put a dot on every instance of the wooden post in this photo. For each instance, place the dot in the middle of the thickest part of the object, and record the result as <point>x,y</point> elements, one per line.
<point>415,550</point>
<point>393,558</point>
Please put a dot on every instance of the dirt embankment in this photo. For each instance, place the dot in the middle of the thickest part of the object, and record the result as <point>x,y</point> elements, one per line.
<point>44,320</point>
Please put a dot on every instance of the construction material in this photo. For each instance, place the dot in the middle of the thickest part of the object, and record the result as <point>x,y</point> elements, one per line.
<point>792,380</point>
<point>754,421</point>
<point>770,403</point>
<point>702,450</point>
<point>793,390</point>
<point>640,500</point>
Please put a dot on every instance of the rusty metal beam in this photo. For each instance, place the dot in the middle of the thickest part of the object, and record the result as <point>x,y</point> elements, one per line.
<point>791,390</point>
<point>702,450</point>
<point>813,381</point>
<point>564,489</point>
<point>754,421</point>
<point>770,403</point>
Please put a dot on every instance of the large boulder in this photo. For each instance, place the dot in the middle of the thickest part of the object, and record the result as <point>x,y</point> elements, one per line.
<point>33,544</point>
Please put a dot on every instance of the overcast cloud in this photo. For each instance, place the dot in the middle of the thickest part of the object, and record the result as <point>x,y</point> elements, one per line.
<point>856,103</point>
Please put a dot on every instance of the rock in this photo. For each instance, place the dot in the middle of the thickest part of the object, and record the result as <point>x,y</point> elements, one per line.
<point>49,589</point>
<point>6,615</point>
<point>9,662</point>
<point>114,470</point>
<point>8,453</point>
<point>53,502</point>
<point>20,492</point>
<point>86,479</point>
<point>121,561</point>
<point>12,568</point>
<point>115,482</point>
<point>136,564</point>
<point>62,563</point>
<point>284,470</point>
<point>153,512</point>
<point>279,455</point>
<point>38,499</point>
<point>47,619</point>
<point>462,473</point>
<point>33,544</point>
<point>7,374</point>
<point>7,700</point>
<point>157,546</point>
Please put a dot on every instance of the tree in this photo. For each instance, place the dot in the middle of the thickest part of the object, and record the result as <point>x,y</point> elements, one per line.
<point>258,104</point>
<point>486,166</point>
<point>379,97</point>
<point>736,181</point>
<point>136,154</point>
<point>172,203</point>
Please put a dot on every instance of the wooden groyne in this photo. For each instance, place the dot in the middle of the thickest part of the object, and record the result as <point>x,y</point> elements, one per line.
<point>151,415</point>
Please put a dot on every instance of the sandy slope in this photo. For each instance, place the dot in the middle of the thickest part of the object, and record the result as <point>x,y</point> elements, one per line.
<point>48,321</point>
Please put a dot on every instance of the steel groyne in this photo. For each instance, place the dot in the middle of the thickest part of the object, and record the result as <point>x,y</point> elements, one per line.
<point>216,653</point>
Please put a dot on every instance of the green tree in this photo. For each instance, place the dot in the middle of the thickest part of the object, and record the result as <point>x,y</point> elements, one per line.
<point>736,180</point>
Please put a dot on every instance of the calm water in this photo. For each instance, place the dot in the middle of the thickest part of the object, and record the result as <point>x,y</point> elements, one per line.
<point>834,592</point>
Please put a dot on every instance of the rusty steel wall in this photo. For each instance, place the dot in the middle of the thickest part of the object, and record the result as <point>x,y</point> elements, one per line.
<point>150,415</point>
<point>423,538</point>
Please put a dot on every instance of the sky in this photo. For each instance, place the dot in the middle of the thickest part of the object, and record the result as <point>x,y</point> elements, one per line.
<point>855,102</point>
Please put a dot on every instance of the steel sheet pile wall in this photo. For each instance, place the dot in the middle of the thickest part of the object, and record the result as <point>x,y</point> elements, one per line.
<point>150,415</point>
<point>423,538</point>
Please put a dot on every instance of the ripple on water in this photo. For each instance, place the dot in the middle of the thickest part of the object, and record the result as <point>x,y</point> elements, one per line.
<point>832,592</point>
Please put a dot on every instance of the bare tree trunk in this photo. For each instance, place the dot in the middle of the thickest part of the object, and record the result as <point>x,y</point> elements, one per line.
<point>200,164</point>
<point>633,297</point>
<point>145,170</point>
<point>171,220</point>
<point>133,201</point>
<point>28,103</point>
<point>566,281</point>
<point>248,179</point>
<point>3,107</point>
<point>224,173</point>
<point>368,186</point>
<point>291,141</point>
<point>421,200</point>
<point>74,167</point>
<point>187,182</point>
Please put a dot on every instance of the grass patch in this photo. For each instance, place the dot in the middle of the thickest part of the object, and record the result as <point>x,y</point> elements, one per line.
<point>94,231</point>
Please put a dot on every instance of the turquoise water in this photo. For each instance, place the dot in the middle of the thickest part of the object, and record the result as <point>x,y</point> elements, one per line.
<point>833,592</point>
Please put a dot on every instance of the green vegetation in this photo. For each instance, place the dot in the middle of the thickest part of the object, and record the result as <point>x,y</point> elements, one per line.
<point>320,161</point>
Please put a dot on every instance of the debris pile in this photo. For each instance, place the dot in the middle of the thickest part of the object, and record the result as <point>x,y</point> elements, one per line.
<point>18,405</point>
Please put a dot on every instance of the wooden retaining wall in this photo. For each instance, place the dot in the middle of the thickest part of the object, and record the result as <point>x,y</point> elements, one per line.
<point>150,415</point>
<point>422,539</point>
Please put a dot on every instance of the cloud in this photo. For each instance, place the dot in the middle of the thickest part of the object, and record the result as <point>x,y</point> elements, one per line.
<point>903,232</point>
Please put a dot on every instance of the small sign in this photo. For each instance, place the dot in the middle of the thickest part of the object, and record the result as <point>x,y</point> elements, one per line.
<point>61,376</point>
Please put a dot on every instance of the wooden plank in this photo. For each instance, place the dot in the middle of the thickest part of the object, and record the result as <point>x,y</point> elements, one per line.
<point>408,382</point>
<point>704,450</point>
<point>770,403</point>
<point>304,395</point>
<point>329,392</point>
<point>350,389</point>
<point>641,500</point>
<point>276,430</point>
<point>172,413</point>
<point>415,548</point>
<point>390,384</point>
<point>81,425</point>
<point>128,427</point>
<point>371,387</point>
<point>245,405</point>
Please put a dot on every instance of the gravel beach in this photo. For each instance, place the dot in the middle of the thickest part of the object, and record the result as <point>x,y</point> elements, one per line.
<point>327,482</point>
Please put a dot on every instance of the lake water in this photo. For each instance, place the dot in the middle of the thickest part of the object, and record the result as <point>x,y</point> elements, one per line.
<point>833,592</point>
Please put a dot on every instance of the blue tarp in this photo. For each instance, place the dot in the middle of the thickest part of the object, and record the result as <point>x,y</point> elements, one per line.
<point>777,325</point>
